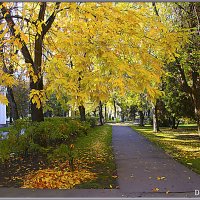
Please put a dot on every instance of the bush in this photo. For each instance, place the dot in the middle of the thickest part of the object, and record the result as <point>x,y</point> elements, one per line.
<point>61,153</point>
<point>5,151</point>
<point>93,121</point>
<point>41,138</point>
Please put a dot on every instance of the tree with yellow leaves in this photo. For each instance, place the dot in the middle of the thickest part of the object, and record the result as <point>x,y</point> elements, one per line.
<point>87,51</point>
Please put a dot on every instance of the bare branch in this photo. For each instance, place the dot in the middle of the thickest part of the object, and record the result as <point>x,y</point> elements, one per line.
<point>181,7</point>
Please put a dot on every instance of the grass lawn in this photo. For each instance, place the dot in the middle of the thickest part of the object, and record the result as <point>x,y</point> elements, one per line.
<point>182,144</point>
<point>94,152</point>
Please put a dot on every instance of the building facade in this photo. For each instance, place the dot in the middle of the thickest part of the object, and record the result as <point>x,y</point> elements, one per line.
<point>2,108</point>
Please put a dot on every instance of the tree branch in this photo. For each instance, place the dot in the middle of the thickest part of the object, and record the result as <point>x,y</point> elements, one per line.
<point>20,17</point>
<point>51,19</point>
<point>185,85</point>
<point>11,24</point>
<point>42,11</point>
<point>155,8</point>
<point>181,7</point>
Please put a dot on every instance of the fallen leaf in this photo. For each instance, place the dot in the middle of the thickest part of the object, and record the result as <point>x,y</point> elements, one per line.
<point>155,189</point>
<point>161,178</point>
<point>189,163</point>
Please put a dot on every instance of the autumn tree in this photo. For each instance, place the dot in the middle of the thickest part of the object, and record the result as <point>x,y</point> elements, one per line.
<point>99,53</point>
<point>32,55</point>
<point>7,66</point>
<point>99,48</point>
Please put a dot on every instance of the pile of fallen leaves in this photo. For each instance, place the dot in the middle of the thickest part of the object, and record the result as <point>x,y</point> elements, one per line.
<point>56,179</point>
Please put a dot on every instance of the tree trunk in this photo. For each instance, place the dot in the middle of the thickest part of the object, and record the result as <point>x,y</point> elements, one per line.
<point>36,113</point>
<point>196,100</point>
<point>101,120</point>
<point>115,109</point>
<point>141,118</point>
<point>12,103</point>
<point>11,117</point>
<point>105,114</point>
<point>82,113</point>
<point>122,117</point>
<point>198,126</point>
<point>173,122</point>
<point>177,124</point>
<point>155,118</point>
<point>133,113</point>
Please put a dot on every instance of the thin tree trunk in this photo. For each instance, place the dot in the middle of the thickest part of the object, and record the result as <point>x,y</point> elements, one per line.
<point>155,118</point>
<point>115,109</point>
<point>173,122</point>
<point>101,120</point>
<point>177,124</point>
<point>196,100</point>
<point>105,114</point>
<point>12,102</point>
<point>11,118</point>
<point>82,113</point>
<point>141,118</point>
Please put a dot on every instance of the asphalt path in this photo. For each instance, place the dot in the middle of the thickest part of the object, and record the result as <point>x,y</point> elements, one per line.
<point>146,170</point>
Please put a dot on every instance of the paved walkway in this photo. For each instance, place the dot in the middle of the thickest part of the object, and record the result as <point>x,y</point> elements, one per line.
<point>139,164</point>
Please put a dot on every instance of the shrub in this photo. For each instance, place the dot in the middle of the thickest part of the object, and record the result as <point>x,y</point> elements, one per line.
<point>41,138</point>
<point>63,153</point>
<point>60,153</point>
<point>92,121</point>
<point>4,151</point>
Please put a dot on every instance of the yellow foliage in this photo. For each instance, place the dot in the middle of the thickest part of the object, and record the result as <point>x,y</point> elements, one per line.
<point>3,99</point>
<point>37,97</point>
<point>97,48</point>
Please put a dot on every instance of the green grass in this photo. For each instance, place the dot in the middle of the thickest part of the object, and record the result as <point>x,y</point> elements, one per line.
<point>182,144</point>
<point>95,154</point>
<point>4,129</point>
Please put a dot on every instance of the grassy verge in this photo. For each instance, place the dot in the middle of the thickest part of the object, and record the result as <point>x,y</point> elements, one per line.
<point>94,153</point>
<point>4,129</point>
<point>182,144</point>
